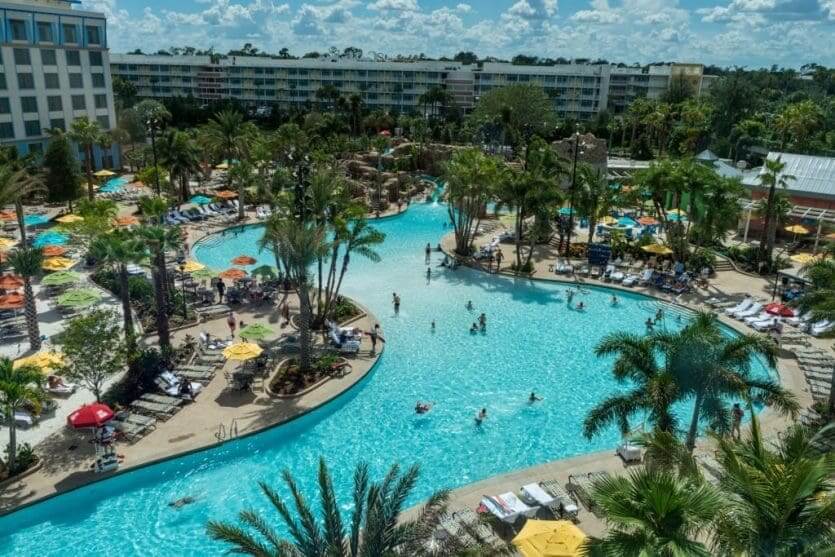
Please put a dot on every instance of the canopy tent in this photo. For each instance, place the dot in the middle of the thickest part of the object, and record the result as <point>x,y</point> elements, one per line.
<point>10,282</point>
<point>104,173</point>
<point>12,301</point>
<point>200,200</point>
<point>233,274</point>
<point>127,220</point>
<point>193,266</point>
<point>53,251</point>
<point>6,243</point>
<point>203,274</point>
<point>90,415</point>
<point>267,271</point>
<point>244,260</point>
<point>226,194</point>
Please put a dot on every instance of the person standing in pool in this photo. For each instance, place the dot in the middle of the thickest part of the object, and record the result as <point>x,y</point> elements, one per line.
<point>482,322</point>
<point>428,274</point>
<point>428,252</point>
<point>396,304</point>
<point>533,398</point>
<point>481,416</point>
<point>433,326</point>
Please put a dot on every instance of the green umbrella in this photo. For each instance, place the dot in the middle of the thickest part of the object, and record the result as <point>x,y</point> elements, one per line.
<point>267,271</point>
<point>79,298</point>
<point>203,274</point>
<point>256,331</point>
<point>61,278</point>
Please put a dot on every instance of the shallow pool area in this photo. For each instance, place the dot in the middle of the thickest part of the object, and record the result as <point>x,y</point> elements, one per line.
<point>114,185</point>
<point>533,342</point>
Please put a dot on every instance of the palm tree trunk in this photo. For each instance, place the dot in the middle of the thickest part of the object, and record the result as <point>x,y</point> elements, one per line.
<point>12,439</point>
<point>160,287</point>
<point>304,326</point>
<point>832,396</point>
<point>124,287</point>
<point>88,166</point>
<point>518,240</point>
<point>31,312</point>
<point>592,225</point>
<point>241,200</point>
<point>694,423</point>
<point>769,207</point>
<point>18,208</point>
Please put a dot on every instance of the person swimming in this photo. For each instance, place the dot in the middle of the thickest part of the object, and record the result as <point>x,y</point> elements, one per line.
<point>469,305</point>
<point>433,326</point>
<point>533,398</point>
<point>480,416</point>
<point>482,322</point>
<point>422,408</point>
<point>649,324</point>
<point>182,502</point>
<point>659,315</point>
<point>614,300</point>
<point>581,306</point>
<point>474,329</point>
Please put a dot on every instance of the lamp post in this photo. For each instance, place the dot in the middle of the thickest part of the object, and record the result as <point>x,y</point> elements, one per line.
<point>153,125</point>
<point>777,273</point>
<point>183,282</point>
<point>571,194</point>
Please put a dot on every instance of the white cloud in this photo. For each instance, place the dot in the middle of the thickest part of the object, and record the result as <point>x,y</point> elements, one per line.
<point>533,9</point>
<point>601,13</point>
<point>829,7</point>
<point>463,8</point>
<point>394,5</point>
<point>753,5</point>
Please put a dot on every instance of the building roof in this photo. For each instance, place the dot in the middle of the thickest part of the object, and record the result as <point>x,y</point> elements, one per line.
<point>813,176</point>
<point>707,156</point>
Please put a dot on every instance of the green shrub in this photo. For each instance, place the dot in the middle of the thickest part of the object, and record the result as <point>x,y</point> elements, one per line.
<point>26,458</point>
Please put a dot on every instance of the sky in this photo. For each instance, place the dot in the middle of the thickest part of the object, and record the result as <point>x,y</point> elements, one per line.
<point>752,33</point>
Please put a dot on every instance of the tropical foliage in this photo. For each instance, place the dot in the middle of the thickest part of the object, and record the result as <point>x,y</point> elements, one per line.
<point>19,387</point>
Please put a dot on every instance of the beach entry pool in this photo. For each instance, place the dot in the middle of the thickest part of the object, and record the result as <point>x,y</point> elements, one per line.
<point>534,342</point>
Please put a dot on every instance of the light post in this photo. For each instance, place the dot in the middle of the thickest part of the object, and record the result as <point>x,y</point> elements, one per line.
<point>183,282</point>
<point>153,125</point>
<point>571,194</point>
<point>777,273</point>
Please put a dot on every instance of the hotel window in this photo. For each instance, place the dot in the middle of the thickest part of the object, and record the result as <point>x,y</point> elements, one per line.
<point>5,106</point>
<point>17,27</point>
<point>78,102</point>
<point>48,57</point>
<point>58,124</point>
<point>104,122</point>
<point>2,81</point>
<point>54,103</point>
<point>51,80</point>
<point>93,35</point>
<point>98,79</point>
<point>29,104</point>
<point>70,33</point>
<point>6,130</point>
<point>32,127</point>
<point>45,34</point>
<point>25,81</point>
<point>73,58</point>
<point>76,81</point>
<point>95,58</point>
<point>100,101</point>
<point>22,57</point>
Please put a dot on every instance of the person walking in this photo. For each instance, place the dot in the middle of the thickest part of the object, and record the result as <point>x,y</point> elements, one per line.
<point>221,289</point>
<point>232,322</point>
<point>374,335</point>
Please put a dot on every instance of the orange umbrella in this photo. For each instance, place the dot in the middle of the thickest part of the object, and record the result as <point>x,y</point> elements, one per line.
<point>11,301</point>
<point>53,251</point>
<point>226,194</point>
<point>126,220</point>
<point>233,274</point>
<point>243,260</point>
<point>647,221</point>
<point>10,282</point>
<point>8,215</point>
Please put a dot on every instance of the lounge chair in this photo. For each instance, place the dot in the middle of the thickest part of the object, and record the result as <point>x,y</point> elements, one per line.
<point>192,375</point>
<point>799,320</point>
<point>199,367</point>
<point>821,327</point>
<point>759,317</point>
<point>751,311</point>
<point>507,507</point>
<point>646,277</point>
<point>741,306</point>
<point>162,399</point>
<point>565,505</point>
<point>163,411</point>
<point>629,453</point>
<point>534,494</point>
<point>630,280</point>
<point>765,324</point>
<point>581,487</point>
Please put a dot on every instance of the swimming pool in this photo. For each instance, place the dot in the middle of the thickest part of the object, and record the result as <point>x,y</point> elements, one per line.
<point>533,342</point>
<point>114,185</point>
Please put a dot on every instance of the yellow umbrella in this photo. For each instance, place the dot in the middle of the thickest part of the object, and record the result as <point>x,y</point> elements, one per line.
<point>242,351</point>
<point>7,243</point>
<point>608,220</point>
<point>42,360</point>
<point>830,236</point>
<point>222,166</point>
<point>657,249</point>
<point>69,219</point>
<point>57,264</point>
<point>192,266</point>
<point>804,258</point>
<point>797,229</point>
<point>104,173</point>
<point>549,538</point>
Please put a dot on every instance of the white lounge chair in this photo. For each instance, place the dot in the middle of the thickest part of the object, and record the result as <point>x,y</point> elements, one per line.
<point>821,327</point>
<point>752,310</point>
<point>763,315</point>
<point>629,452</point>
<point>260,213</point>
<point>630,280</point>
<point>741,306</point>
<point>766,324</point>
<point>646,276</point>
<point>800,320</point>
<point>507,507</point>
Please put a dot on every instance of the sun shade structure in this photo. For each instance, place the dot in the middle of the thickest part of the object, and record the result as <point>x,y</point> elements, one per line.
<point>10,282</point>
<point>657,249</point>
<point>608,220</point>
<point>90,415</point>
<point>53,251</point>
<point>11,301</point>
<point>69,219</point>
<point>203,274</point>
<point>222,166</point>
<point>267,271</point>
<point>243,260</point>
<point>104,173</point>
<point>233,274</point>
<point>58,264</point>
<point>42,360</point>
<point>6,243</point>
<point>200,200</point>
<point>647,221</point>
<point>193,266</point>
<point>797,229</point>
<point>777,308</point>
<point>242,351</point>
<point>565,211</point>
<point>256,331</point>
<point>226,194</point>
<point>50,238</point>
<point>79,298</point>
<point>8,215</point>
<point>61,278</point>
<point>804,258</point>
<point>35,220</point>
<point>127,220</point>
<point>549,538</point>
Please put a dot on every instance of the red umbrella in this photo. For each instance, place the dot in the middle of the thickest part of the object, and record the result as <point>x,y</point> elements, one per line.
<point>90,415</point>
<point>243,260</point>
<point>776,308</point>
<point>385,133</point>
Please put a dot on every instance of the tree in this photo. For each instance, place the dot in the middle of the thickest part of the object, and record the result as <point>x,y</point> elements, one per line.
<point>375,527</point>
<point>653,512</point>
<point>519,109</point>
<point>62,177</point>
<point>243,175</point>
<point>19,387</point>
<point>471,178</point>
<point>181,156</point>
<point>98,216</point>
<point>297,245</point>
<point>93,349</point>
<point>87,133</point>
<point>26,262</point>
<point>15,185</point>
<point>772,177</point>
<point>227,136</point>
<point>594,197</point>
<point>124,91</point>
<point>797,122</point>
<point>159,240</point>
<point>118,249</point>
<point>778,500</point>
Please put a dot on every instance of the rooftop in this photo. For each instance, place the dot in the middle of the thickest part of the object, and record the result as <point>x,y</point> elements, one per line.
<point>813,176</point>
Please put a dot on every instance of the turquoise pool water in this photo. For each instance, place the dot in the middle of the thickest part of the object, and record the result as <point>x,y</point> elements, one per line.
<point>114,185</point>
<point>533,342</point>
<point>35,220</point>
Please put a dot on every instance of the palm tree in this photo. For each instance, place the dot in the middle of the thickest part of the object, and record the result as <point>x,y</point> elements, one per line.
<point>159,240</point>
<point>15,185</point>
<point>778,499</point>
<point>375,528</point>
<point>297,245</point>
<point>819,299</point>
<point>471,178</point>
<point>594,198</point>
<point>772,177</point>
<point>18,388</point>
<point>26,262</point>
<point>653,512</point>
<point>119,249</point>
<point>244,176</point>
<point>87,133</point>
<point>181,156</point>
<point>653,389</point>
<point>152,208</point>
<point>227,136</point>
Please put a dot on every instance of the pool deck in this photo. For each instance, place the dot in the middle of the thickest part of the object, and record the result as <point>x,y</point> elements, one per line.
<point>67,455</point>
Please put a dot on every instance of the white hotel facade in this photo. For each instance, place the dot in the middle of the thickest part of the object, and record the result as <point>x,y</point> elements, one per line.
<point>55,68</point>
<point>579,91</point>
